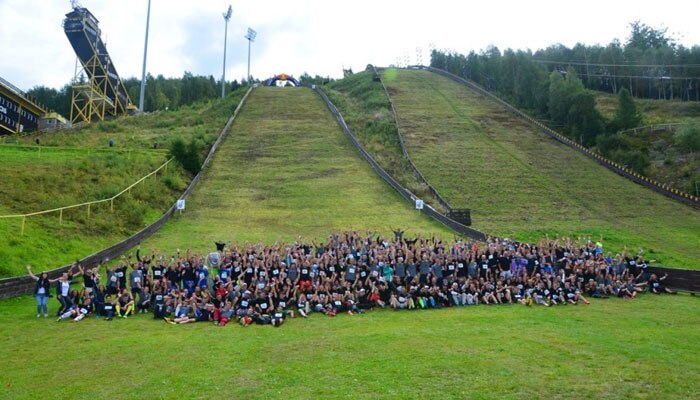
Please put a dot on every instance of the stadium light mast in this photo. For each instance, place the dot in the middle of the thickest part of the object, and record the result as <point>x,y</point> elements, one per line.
<point>251,38</point>
<point>227,17</point>
<point>145,52</point>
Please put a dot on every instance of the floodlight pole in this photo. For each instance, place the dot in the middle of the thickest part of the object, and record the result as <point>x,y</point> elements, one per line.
<point>227,17</point>
<point>251,38</point>
<point>145,52</point>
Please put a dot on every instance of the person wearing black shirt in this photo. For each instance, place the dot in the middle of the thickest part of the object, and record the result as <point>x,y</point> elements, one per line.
<point>108,308</point>
<point>99,301</point>
<point>655,286</point>
<point>125,304</point>
<point>120,272</point>
<point>41,291</point>
<point>173,275</point>
<point>158,272</point>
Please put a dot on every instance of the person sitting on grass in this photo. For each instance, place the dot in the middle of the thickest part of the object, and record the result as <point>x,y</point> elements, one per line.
<point>144,303</point>
<point>488,294</point>
<point>98,299</point>
<point>541,294</point>
<point>223,315</point>
<point>205,314</point>
<point>623,291</point>
<point>78,311</point>
<point>655,286</point>
<point>278,317</point>
<point>125,304</point>
<point>108,308</point>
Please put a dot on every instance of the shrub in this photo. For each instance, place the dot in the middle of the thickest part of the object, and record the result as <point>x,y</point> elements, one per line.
<point>687,137</point>
<point>188,156</point>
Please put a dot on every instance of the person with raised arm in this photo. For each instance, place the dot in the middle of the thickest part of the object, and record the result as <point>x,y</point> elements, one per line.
<point>41,291</point>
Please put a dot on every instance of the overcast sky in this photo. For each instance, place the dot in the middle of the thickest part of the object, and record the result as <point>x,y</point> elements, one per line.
<point>314,36</point>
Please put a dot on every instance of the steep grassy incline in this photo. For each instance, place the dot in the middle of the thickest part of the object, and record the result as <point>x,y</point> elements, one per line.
<point>76,166</point>
<point>285,170</point>
<point>520,182</point>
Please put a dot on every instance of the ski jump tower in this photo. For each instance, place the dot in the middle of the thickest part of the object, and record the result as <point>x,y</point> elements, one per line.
<point>98,92</point>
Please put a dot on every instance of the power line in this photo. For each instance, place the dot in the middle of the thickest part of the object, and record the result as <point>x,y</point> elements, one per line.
<point>583,63</point>
<point>662,78</point>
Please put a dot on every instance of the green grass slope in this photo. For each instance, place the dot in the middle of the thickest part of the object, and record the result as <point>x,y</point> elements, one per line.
<point>367,111</point>
<point>286,169</point>
<point>520,182</point>
<point>77,166</point>
<point>611,349</point>
<point>200,121</point>
<point>34,182</point>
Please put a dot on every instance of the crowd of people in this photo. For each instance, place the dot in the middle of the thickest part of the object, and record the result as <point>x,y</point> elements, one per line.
<point>350,273</point>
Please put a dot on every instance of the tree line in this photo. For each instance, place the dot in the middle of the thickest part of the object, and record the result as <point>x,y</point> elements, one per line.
<point>161,92</point>
<point>650,64</point>
<point>555,84</point>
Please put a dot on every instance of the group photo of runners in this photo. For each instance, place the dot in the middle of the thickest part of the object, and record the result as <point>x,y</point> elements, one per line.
<point>349,273</point>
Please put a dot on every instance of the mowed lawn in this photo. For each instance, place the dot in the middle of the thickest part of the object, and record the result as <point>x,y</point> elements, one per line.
<point>611,349</point>
<point>287,170</point>
<point>520,182</point>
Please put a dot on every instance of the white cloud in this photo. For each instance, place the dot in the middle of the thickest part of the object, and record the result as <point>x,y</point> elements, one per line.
<point>319,37</point>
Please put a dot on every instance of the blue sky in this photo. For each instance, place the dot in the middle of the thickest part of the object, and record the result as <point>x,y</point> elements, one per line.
<point>314,36</point>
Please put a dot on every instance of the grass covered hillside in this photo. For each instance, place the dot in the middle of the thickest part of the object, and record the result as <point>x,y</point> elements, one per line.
<point>286,169</point>
<point>77,166</point>
<point>367,111</point>
<point>200,121</point>
<point>520,182</point>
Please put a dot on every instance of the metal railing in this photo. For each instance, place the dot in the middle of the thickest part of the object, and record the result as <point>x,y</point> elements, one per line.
<point>652,128</point>
<point>416,172</point>
<point>405,193</point>
<point>621,170</point>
